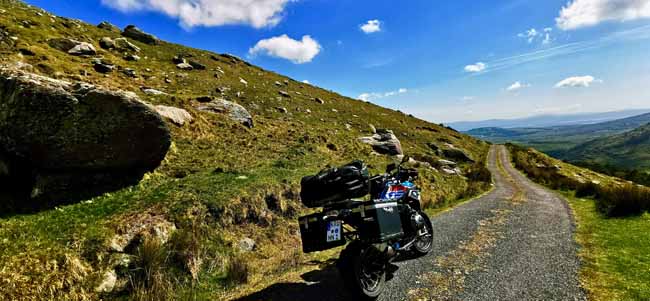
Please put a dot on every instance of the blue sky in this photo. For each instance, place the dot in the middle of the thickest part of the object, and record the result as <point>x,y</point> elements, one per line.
<point>440,60</point>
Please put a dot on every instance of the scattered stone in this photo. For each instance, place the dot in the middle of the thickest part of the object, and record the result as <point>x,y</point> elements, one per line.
<point>167,80</point>
<point>196,65</point>
<point>433,146</point>
<point>107,283</point>
<point>132,57</point>
<point>150,91</point>
<point>335,110</point>
<point>185,66</point>
<point>286,82</point>
<point>319,100</point>
<point>106,43</point>
<point>176,115</point>
<point>123,44</point>
<point>136,228</point>
<point>26,51</point>
<point>103,68</point>
<point>108,26</point>
<point>446,162</point>
<point>282,110</point>
<point>308,111</point>
<point>243,81</point>
<point>457,154</point>
<point>246,245</point>
<point>135,33</point>
<point>277,83</point>
<point>240,94</point>
<point>384,142</point>
<point>83,48</point>
<point>63,44</point>
<point>129,72</point>
<point>235,111</point>
<point>372,129</point>
<point>348,126</point>
<point>284,94</point>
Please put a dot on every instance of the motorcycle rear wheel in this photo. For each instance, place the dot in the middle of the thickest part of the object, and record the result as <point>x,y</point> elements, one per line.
<point>361,279</point>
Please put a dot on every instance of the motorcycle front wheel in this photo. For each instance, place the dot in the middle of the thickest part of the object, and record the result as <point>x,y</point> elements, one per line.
<point>363,276</point>
<point>424,243</point>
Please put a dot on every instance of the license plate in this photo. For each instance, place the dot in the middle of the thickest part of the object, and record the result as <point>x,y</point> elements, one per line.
<point>334,231</point>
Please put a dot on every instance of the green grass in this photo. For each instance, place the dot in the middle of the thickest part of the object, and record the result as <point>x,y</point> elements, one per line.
<point>615,253</point>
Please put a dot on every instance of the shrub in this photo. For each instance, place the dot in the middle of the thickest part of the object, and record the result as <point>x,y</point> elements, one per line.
<point>237,272</point>
<point>148,279</point>
<point>628,199</point>
<point>587,190</point>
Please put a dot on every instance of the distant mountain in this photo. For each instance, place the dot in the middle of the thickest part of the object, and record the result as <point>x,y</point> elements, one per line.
<point>548,120</point>
<point>554,140</point>
<point>629,150</point>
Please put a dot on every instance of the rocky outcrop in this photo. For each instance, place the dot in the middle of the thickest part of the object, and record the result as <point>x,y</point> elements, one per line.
<point>384,142</point>
<point>176,115</point>
<point>71,46</point>
<point>105,25</point>
<point>71,141</point>
<point>137,34</point>
<point>457,155</point>
<point>235,111</point>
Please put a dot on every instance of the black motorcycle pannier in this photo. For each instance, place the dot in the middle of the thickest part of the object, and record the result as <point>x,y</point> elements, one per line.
<point>381,222</point>
<point>318,234</point>
<point>335,185</point>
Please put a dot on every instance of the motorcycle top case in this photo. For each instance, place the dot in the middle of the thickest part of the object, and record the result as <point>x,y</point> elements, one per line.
<point>380,222</point>
<point>317,234</point>
<point>335,185</point>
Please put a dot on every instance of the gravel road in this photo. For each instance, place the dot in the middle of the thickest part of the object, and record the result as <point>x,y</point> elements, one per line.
<point>514,243</point>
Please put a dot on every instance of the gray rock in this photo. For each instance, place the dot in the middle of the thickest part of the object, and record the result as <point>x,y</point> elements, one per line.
<point>123,44</point>
<point>129,72</point>
<point>138,227</point>
<point>107,283</point>
<point>446,162</point>
<point>108,26</point>
<point>246,245</point>
<point>384,142</point>
<point>284,94</point>
<point>319,100</point>
<point>457,154</point>
<point>137,34</point>
<point>63,44</point>
<point>185,66</point>
<point>277,83</point>
<point>204,99</point>
<point>372,129</point>
<point>150,91</point>
<point>196,65</point>
<point>78,139</point>
<point>235,111</point>
<point>179,60</point>
<point>106,43</point>
<point>282,110</point>
<point>132,57</point>
<point>176,115</point>
<point>103,68</point>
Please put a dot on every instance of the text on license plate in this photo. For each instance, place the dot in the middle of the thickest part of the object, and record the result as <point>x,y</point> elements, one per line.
<point>334,231</point>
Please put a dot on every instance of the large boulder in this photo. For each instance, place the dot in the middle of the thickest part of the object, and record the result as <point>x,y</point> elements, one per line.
<point>384,142</point>
<point>235,111</point>
<point>108,26</point>
<point>137,34</point>
<point>71,140</point>
<point>457,154</point>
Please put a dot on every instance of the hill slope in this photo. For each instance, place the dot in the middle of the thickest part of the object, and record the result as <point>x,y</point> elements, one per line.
<point>554,140</point>
<point>629,150</point>
<point>223,205</point>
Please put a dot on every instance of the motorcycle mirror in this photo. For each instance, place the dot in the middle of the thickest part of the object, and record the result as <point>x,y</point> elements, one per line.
<point>390,167</point>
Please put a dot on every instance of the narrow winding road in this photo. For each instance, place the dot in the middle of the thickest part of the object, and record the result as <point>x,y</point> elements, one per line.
<point>514,243</point>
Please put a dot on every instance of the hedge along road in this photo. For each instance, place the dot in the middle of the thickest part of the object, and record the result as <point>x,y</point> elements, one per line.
<point>514,243</point>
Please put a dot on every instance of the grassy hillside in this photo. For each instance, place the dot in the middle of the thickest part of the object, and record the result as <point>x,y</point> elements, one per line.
<point>556,140</point>
<point>220,182</point>
<point>615,250</point>
<point>629,150</point>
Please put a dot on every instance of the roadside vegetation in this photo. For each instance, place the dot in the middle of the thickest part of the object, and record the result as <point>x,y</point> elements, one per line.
<point>613,224</point>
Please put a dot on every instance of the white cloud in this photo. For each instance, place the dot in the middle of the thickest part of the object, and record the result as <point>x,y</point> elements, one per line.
<point>547,39</point>
<point>529,35</point>
<point>299,52</point>
<point>371,26</point>
<point>467,98</point>
<point>191,13</point>
<point>577,81</point>
<point>306,82</point>
<point>478,67</point>
<point>517,86</point>
<point>583,13</point>
<point>377,95</point>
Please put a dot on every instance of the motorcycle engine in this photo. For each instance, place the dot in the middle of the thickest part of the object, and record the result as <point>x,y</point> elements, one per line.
<point>417,221</point>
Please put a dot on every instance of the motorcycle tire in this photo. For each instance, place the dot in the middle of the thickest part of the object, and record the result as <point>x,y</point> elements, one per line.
<point>356,280</point>
<point>424,245</point>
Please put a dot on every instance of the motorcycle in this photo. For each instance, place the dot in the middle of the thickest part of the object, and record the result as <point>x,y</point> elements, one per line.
<point>390,225</point>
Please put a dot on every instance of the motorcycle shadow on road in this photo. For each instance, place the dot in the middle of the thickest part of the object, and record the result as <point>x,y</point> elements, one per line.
<point>324,284</point>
